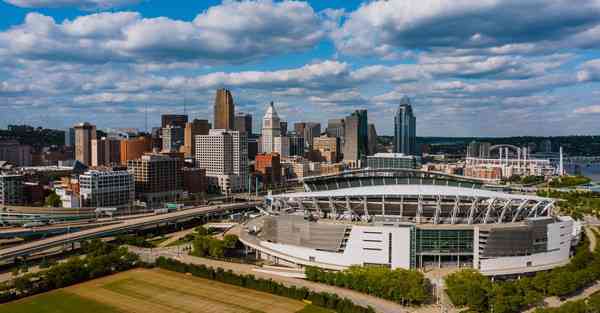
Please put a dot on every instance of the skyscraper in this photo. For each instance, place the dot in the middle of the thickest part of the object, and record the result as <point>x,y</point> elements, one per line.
<point>270,129</point>
<point>106,151</point>
<point>243,123</point>
<point>405,136</point>
<point>193,129</point>
<point>84,134</point>
<point>296,144</point>
<point>70,137</point>
<point>372,142</point>
<point>351,139</point>
<point>224,155</point>
<point>173,120</point>
<point>283,125</point>
<point>158,178</point>
<point>224,110</point>
<point>173,138</point>
<point>311,130</point>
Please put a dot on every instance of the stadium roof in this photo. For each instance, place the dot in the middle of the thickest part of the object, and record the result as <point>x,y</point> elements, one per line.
<point>397,190</point>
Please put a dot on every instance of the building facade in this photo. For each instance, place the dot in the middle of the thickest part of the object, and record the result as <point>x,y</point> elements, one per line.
<point>193,129</point>
<point>405,134</point>
<point>106,151</point>
<point>328,148</point>
<point>243,123</point>
<point>172,138</point>
<point>84,134</point>
<point>269,165</point>
<point>158,178</point>
<point>297,145</point>
<point>173,119</point>
<point>391,161</point>
<point>15,153</point>
<point>270,129</point>
<point>224,110</point>
<point>135,148</point>
<point>224,155</point>
<point>11,190</point>
<point>107,189</point>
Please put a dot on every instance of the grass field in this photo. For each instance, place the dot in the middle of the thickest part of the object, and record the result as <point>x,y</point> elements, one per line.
<point>143,291</point>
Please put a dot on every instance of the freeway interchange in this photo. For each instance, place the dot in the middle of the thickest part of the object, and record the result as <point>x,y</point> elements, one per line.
<point>8,255</point>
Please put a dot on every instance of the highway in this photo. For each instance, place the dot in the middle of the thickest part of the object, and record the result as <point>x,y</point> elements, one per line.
<point>9,254</point>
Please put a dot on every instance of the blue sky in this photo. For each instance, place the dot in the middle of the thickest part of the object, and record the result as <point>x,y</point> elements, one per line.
<point>485,68</point>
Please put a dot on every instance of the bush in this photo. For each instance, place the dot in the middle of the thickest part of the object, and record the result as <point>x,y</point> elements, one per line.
<point>399,285</point>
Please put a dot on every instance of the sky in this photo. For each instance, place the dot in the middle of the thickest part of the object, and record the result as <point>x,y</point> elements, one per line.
<point>470,68</point>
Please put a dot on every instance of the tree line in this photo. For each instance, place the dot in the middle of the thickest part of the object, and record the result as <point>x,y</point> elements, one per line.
<point>204,244</point>
<point>469,288</point>
<point>576,204</point>
<point>101,259</point>
<point>321,299</point>
<point>406,287</point>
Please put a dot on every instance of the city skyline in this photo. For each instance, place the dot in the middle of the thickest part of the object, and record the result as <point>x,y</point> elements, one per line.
<point>106,64</point>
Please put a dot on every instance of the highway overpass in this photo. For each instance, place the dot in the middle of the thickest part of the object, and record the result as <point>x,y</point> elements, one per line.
<point>8,255</point>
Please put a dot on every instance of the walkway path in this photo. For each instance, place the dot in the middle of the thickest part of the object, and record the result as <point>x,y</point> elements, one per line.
<point>179,253</point>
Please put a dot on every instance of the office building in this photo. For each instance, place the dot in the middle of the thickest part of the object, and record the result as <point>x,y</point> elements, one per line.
<point>297,145</point>
<point>391,161</point>
<point>194,180</point>
<point>133,149</point>
<point>106,189</point>
<point>224,155</point>
<point>224,110</point>
<point>172,138</point>
<point>11,190</point>
<point>158,178</point>
<point>253,147</point>
<point>283,127</point>
<point>70,137</point>
<point>352,153</point>
<point>299,128</point>
<point>193,129</point>
<point>243,123</point>
<point>372,140</point>
<point>281,145</point>
<point>328,148</point>
<point>479,149</point>
<point>335,128</point>
<point>269,165</point>
<point>106,151</point>
<point>270,129</point>
<point>174,120</point>
<point>15,153</point>
<point>311,130</point>
<point>405,134</point>
<point>84,134</point>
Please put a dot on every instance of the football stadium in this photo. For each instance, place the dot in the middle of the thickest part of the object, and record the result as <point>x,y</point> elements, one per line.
<point>410,219</point>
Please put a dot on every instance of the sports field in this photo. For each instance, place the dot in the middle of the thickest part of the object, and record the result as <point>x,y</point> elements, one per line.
<point>144,291</point>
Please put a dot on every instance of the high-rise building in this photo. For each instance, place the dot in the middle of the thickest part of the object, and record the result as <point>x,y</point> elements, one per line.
<point>174,120</point>
<point>194,180</point>
<point>158,178</point>
<point>297,145</point>
<point>363,132</point>
<point>283,125</point>
<point>84,134</point>
<point>405,135</point>
<point>11,190</point>
<point>335,128</point>
<point>328,147</point>
<point>372,139</point>
<point>106,151</point>
<point>243,123</point>
<point>299,128</point>
<point>106,189</point>
<point>172,138</point>
<point>70,137</point>
<point>224,110</point>
<point>269,165</point>
<point>224,155</point>
<point>281,145</point>
<point>135,148</point>
<point>270,129</point>
<point>351,140</point>
<point>15,153</point>
<point>311,130</point>
<point>477,149</point>
<point>193,129</point>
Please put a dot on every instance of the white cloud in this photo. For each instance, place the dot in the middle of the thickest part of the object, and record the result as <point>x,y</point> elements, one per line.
<point>388,28</point>
<point>230,33</point>
<point>82,4</point>
<point>592,109</point>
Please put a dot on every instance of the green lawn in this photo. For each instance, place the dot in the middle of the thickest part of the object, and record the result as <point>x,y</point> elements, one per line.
<point>57,301</point>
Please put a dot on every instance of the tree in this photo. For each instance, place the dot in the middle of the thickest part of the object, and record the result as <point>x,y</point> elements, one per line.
<point>53,200</point>
<point>469,288</point>
<point>230,241</point>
